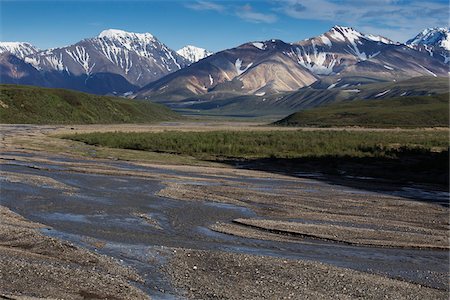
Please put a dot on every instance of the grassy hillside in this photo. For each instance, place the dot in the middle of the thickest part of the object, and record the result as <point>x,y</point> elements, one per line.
<point>415,111</point>
<point>35,105</point>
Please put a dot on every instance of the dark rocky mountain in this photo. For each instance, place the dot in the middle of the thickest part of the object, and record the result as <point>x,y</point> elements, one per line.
<point>341,57</point>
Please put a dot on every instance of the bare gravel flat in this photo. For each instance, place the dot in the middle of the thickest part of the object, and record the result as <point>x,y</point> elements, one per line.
<point>221,275</point>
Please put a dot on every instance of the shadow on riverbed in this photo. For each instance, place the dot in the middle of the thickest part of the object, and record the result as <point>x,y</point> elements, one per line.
<point>414,175</point>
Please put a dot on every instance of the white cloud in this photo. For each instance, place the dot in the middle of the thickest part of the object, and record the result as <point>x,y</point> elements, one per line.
<point>247,13</point>
<point>398,20</point>
<point>206,5</point>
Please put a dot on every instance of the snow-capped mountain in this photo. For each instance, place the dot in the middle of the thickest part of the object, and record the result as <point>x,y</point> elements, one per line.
<point>19,49</point>
<point>115,61</point>
<point>338,58</point>
<point>333,51</point>
<point>138,57</point>
<point>193,54</point>
<point>434,41</point>
<point>345,57</point>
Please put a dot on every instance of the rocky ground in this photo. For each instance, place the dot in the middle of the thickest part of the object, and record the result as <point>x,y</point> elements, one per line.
<point>34,265</point>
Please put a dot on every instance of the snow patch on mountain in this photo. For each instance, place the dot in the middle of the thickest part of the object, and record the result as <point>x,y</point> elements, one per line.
<point>332,86</point>
<point>431,73</point>
<point>326,40</point>
<point>82,57</point>
<point>193,54</point>
<point>382,93</point>
<point>321,63</point>
<point>211,80</point>
<point>238,64</point>
<point>379,38</point>
<point>259,45</point>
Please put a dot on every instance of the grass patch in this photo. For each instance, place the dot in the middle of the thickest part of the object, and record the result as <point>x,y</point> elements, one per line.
<point>35,105</point>
<point>417,111</point>
<point>273,144</point>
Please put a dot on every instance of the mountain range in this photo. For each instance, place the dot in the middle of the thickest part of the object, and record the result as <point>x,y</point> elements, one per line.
<point>339,57</point>
<point>140,66</point>
<point>115,61</point>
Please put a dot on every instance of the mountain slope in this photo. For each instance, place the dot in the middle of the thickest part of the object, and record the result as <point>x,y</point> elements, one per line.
<point>434,41</point>
<point>35,105</point>
<point>310,97</point>
<point>252,68</point>
<point>193,54</point>
<point>416,111</point>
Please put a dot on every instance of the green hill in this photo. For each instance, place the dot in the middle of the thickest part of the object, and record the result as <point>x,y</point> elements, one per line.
<point>415,111</point>
<point>35,105</point>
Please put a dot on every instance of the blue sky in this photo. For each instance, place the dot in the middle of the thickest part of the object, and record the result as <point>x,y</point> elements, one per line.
<point>214,25</point>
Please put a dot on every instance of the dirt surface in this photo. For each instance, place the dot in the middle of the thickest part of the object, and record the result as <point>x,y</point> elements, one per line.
<point>324,241</point>
<point>34,265</point>
<point>221,275</point>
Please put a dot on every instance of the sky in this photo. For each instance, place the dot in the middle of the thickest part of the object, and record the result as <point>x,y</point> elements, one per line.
<point>214,25</point>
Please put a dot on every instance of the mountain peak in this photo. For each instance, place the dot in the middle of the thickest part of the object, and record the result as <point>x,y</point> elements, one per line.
<point>342,28</point>
<point>122,34</point>
<point>437,36</point>
<point>193,53</point>
<point>343,33</point>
